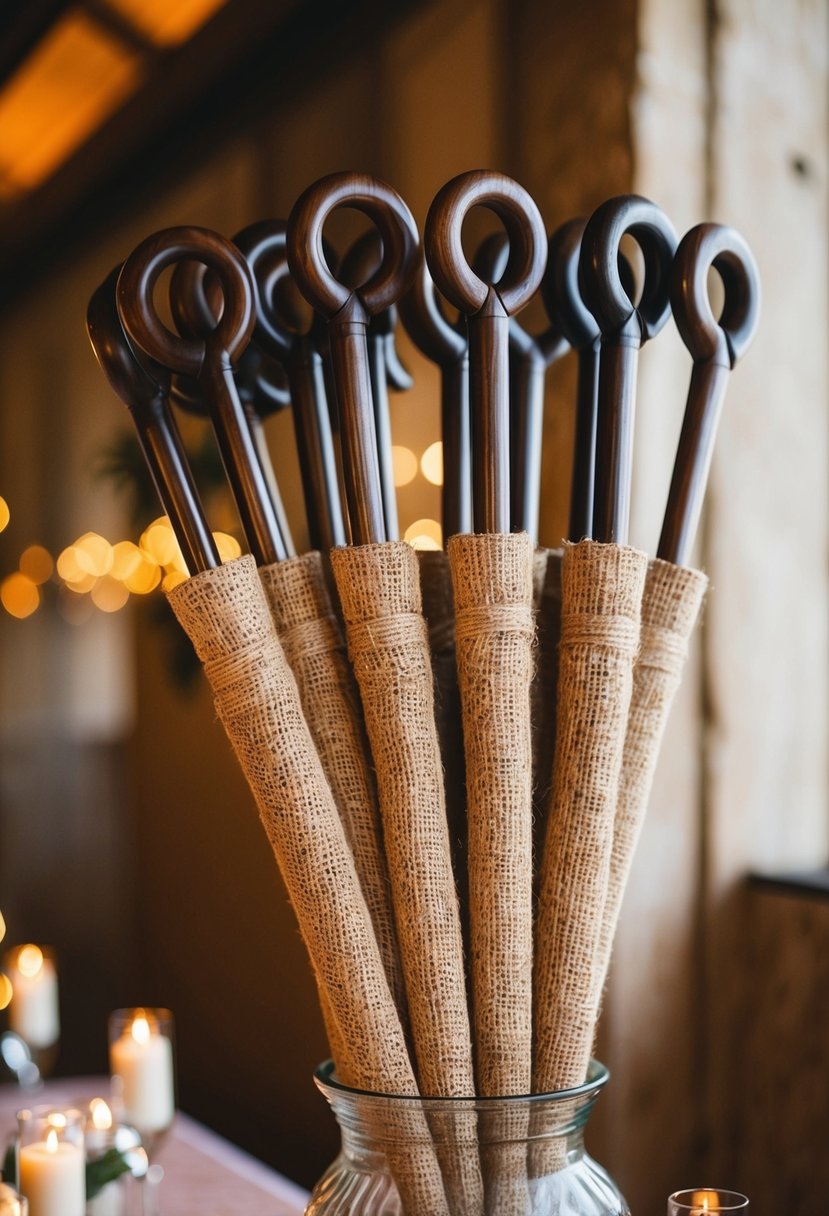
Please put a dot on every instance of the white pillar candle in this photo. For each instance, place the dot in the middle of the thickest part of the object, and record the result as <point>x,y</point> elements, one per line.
<point>33,1010</point>
<point>53,1177</point>
<point>142,1062</point>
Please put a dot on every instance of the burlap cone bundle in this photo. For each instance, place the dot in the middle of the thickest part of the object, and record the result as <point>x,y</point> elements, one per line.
<point>670,606</point>
<point>493,584</point>
<point>227,617</point>
<point>379,589</point>
<point>601,598</point>
<point>311,637</point>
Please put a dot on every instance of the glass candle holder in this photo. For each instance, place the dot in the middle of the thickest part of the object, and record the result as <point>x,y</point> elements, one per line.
<point>51,1164</point>
<point>706,1201</point>
<point>116,1160</point>
<point>12,1204</point>
<point>142,1071</point>
<point>34,1014</point>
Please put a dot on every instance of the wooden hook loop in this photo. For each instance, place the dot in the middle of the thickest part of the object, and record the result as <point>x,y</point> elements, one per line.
<point>306,251</point>
<point>560,286</point>
<point>426,323</point>
<point>707,338</point>
<point>137,310</point>
<point>600,279</point>
<point>522,220</point>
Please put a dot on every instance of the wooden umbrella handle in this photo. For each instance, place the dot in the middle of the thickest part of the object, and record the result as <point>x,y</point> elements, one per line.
<point>624,327</point>
<point>488,308</point>
<point>715,346</point>
<point>144,390</point>
<point>348,313</point>
<point>209,358</point>
<point>294,342</point>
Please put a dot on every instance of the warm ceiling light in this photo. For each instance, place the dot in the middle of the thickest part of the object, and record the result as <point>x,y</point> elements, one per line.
<point>165,23</point>
<point>75,78</point>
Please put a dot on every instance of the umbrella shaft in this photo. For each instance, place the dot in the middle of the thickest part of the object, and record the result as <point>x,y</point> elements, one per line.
<point>457,452</point>
<point>614,440</point>
<point>584,448</point>
<point>315,448</point>
<point>489,406</point>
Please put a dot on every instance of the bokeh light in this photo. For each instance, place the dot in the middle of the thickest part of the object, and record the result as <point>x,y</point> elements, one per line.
<point>37,564</point>
<point>126,558</point>
<point>5,514</point>
<point>424,534</point>
<point>159,541</point>
<point>93,554</point>
<point>404,463</point>
<point>19,595</point>
<point>228,546</point>
<point>6,991</point>
<point>431,463</point>
<point>109,594</point>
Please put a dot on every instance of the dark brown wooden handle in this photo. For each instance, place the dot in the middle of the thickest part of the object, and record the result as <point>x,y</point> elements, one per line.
<point>624,327</point>
<point>138,313</point>
<point>284,336</point>
<point>144,391</point>
<point>488,308</point>
<point>209,359</point>
<point>715,347</point>
<point>349,312</point>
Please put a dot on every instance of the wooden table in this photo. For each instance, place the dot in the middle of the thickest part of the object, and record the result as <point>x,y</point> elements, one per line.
<point>204,1175</point>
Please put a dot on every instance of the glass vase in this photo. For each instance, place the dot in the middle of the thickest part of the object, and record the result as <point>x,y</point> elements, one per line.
<point>524,1156</point>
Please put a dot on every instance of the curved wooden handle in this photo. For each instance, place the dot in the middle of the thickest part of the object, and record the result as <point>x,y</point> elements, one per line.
<point>144,391</point>
<point>140,319</point>
<point>306,252</point>
<point>349,312</point>
<point>706,336</point>
<point>624,327</point>
<point>715,347</point>
<point>488,307</point>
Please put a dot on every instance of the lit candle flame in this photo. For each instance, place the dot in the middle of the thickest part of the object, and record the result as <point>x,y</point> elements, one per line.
<point>51,1141</point>
<point>705,1203</point>
<point>140,1029</point>
<point>29,961</point>
<point>101,1115</point>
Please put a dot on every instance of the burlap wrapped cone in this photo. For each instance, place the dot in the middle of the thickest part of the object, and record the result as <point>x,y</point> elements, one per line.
<point>379,589</point>
<point>311,637</point>
<point>226,615</point>
<point>601,598</point>
<point>493,585</point>
<point>671,603</point>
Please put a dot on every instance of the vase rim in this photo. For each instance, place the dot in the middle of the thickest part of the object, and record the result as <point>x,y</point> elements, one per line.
<point>598,1075</point>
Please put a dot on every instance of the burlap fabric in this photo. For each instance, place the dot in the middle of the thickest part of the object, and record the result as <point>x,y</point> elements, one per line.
<point>670,606</point>
<point>226,615</point>
<point>439,613</point>
<point>492,580</point>
<point>547,603</point>
<point>311,637</point>
<point>601,599</point>
<point>379,589</point>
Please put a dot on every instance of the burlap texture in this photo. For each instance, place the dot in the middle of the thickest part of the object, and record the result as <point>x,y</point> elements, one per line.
<point>226,615</point>
<point>601,599</point>
<point>492,576</point>
<point>439,613</point>
<point>379,589</point>
<point>671,603</point>
<point>547,604</point>
<point>492,579</point>
<point>311,637</point>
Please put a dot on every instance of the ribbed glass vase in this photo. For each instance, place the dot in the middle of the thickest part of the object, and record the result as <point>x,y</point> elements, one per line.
<point>520,1156</point>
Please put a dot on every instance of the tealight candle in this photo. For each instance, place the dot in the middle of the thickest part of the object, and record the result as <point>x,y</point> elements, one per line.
<point>33,1009</point>
<point>706,1201</point>
<point>103,1135</point>
<point>141,1064</point>
<point>51,1162</point>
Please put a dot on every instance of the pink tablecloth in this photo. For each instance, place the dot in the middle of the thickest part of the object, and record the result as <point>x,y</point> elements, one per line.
<point>204,1175</point>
